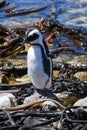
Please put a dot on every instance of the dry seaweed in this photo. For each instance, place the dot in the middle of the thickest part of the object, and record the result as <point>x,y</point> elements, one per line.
<point>10,42</point>
<point>70,118</point>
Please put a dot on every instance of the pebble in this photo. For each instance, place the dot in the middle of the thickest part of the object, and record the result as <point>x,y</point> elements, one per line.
<point>7,100</point>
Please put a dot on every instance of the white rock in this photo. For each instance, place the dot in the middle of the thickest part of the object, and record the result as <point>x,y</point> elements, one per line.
<point>7,100</point>
<point>32,98</point>
<point>81,102</point>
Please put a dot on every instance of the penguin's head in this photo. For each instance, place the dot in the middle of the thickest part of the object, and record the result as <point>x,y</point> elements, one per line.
<point>34,37</point>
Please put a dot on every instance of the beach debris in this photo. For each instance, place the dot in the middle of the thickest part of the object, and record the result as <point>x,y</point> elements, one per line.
<point>9,41</point>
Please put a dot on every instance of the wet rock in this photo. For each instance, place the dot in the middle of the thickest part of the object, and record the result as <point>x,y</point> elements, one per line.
<point>81,102</point>
<point>7,100</point>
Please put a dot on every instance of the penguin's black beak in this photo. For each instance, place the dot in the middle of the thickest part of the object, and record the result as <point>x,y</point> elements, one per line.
<point>27,39</point>
<point>24,41</point>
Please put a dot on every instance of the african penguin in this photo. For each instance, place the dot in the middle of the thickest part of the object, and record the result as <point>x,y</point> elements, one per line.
<point>39,62</point>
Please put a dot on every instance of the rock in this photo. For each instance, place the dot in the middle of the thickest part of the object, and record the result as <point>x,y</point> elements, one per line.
<point>81,75</point>
<point>32,98</point>
<point>49,105</point>
<point>7,100</point>
<point>81,102</point>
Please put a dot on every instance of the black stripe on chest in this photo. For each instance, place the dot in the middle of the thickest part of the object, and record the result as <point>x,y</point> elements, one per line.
<point>46,62</point>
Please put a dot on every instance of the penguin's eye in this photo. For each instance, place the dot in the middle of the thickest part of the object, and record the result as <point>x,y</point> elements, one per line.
<point>32,37</point>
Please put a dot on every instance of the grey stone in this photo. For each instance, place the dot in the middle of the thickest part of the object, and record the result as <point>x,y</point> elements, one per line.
<point>7,100</point>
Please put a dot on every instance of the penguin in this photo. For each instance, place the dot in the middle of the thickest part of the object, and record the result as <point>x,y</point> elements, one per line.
<point>39,63</point>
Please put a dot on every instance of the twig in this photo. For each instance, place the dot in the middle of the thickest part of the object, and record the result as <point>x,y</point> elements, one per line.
<point>33,105</point>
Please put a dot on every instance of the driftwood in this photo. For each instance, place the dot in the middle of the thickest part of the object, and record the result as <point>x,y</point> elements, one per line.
<point>56,66</point>
<point>9,91</point>
<point>59,50</point>
<point>8,51</point>
<point>26,106</point>
<point>14,69</point>
<point>73,67</point>
<point>14,85</point>
<point>7,31</point>
<point>27,10</point>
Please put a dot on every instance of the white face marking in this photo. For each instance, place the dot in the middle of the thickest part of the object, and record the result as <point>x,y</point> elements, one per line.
<point>34,37</point>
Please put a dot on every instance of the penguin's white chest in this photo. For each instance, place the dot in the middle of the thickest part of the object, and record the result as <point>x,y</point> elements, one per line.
<point>35,67</point>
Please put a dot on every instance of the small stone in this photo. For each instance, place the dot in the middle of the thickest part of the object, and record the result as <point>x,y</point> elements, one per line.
<point>7,100</point>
